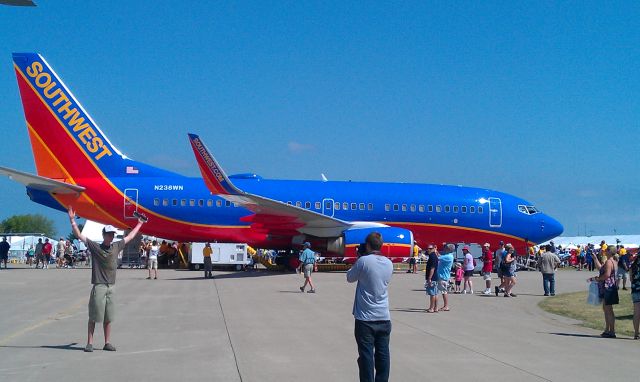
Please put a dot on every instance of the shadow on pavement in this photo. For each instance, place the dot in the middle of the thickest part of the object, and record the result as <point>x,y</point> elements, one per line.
<point>576,335</point>
<point>408,310</point>
<point>71,346</point>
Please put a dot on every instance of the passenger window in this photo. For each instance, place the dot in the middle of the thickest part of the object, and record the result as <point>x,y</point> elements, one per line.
<point>183,202</point>
<point>289,203</point>
<point>370,206</point>
<point>412,208</point>
<point>165,202</point>
<point>438,209</point>
<point>404,207</point>
<point>209,203</point>
<point>174,202</point>
<point>430,208</point>
<point>447,209</point>
<point>354,206</point>
<point>200,202</point>
<point>318,205</point>
<point>455,209</point>
<point>336,206</point>
<point>192,202</point>
<point>472,210</point>
<point>156,201</point>
<point>361,206</point>
<point>227,203</point>
<point>387,207</point>
<point>463,209</point>
<point>235,204</point>
<point>307,205</point>
<point>345,206</point>
<point>480,210</point>
<point>218,203</point>
<point>396,207</point>
<point>421,208</point>
<point>327,205</point>
<point>298,204</point>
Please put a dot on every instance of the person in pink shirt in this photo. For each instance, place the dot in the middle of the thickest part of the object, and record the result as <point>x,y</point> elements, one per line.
<point>468,267</point>
<point>459,275</point>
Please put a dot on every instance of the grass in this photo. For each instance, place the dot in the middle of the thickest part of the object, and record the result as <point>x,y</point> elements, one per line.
<point>574,305</point>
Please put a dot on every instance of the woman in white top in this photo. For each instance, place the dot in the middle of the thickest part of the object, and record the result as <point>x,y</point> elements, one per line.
<point>154,249</point>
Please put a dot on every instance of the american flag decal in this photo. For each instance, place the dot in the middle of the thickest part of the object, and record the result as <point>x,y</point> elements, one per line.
<point>132,170</point>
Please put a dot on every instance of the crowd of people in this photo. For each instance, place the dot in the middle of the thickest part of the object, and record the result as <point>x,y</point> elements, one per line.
<point>44,254</point>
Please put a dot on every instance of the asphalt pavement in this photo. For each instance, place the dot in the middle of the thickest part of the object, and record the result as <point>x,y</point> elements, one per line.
<point>258,326</point>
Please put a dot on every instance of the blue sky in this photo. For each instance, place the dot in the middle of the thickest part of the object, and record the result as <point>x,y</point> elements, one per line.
<point>537,99</point>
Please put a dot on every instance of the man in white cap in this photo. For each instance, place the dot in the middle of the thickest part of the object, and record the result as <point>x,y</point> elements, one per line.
<point>103,277</point>
<point>307,260</point>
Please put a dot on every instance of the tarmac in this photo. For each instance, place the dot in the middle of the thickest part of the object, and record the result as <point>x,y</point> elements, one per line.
<point>258,326</point>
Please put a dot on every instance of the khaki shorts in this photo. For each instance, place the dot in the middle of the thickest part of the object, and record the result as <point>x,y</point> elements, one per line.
<point>308,268</point>
<point>102,303</point>
<point>153,264</point>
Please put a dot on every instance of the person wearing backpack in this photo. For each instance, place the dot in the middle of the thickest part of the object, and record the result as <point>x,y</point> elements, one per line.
<point>307,261</point>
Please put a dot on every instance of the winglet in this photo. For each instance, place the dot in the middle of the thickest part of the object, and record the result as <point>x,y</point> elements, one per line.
<point>213,175</point>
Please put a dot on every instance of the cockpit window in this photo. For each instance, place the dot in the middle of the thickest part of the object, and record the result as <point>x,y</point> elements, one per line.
<point>527,210</point>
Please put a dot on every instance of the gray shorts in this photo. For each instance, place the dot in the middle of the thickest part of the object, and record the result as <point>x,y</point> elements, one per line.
<point>308,268</point>
<point>635,297</point>
<point>443,286</point>
<point>101,303</point>
<point>622,274</point>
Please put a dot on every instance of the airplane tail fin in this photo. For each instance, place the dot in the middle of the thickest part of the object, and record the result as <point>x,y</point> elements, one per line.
<point>214,176</point>
<point>66,142</point>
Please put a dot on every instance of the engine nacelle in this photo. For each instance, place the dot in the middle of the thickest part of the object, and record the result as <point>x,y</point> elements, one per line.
<point>398,242</point>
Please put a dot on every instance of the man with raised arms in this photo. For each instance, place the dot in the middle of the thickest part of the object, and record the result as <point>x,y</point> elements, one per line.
<point>103,277</point>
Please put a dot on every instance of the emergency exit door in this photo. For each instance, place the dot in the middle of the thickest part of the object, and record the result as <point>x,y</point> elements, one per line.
<point>130,202</point>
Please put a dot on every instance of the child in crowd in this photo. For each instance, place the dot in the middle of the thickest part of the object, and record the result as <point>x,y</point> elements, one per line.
<point>458,277</point>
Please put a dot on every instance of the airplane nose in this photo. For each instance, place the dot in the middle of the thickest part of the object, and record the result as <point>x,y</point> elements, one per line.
<point>550,228</point>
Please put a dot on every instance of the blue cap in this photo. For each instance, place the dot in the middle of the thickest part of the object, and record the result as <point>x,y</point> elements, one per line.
<point>307,244</point>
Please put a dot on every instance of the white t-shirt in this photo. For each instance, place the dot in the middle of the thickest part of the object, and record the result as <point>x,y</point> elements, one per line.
<point>153,252</point>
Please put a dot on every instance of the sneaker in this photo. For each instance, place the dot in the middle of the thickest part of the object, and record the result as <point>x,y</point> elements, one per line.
<point>546,294</point>
<point>506,295</point>
<point>497,290</point>
<point>553,294</point>
<point>88,348</point>
<point>464,291</point>
<point>109,347</point>
<point>311,291</point>
<point>487,292</point>
<point>301,289</point>
<point>471,292</point>
<point>513,295</point>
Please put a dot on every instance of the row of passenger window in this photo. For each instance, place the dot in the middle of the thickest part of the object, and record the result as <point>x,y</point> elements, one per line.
<point>438,208</point>
<point>193,202</point>
<point>336,206</point>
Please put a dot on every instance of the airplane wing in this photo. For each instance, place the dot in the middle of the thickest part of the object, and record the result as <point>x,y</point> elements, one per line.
<point>268,212</point>
<point>41,183</point>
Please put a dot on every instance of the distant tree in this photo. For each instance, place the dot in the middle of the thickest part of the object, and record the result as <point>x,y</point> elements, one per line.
<point>28,224</point>
<point>72,236</point>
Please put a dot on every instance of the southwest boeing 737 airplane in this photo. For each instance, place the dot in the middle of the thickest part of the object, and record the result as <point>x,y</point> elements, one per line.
<point>78,165</point>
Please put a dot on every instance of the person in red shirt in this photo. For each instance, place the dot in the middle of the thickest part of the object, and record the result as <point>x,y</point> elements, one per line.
<point>487,266</point>
<point>46,252</point>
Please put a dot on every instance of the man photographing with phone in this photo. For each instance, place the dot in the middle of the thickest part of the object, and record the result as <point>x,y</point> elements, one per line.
<point>104,263</point>
<point>373,272</point>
